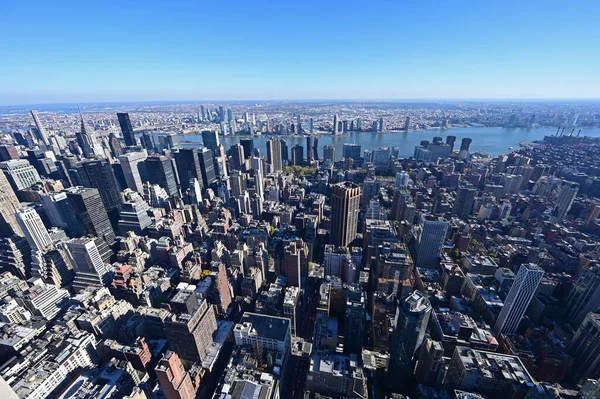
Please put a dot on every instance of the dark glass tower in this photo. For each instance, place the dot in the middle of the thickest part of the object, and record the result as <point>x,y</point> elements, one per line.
<point>207,166</point>
<point>160,171</point>
<point>126,128</point>
<point>188,165</point>
<point>89,210</point>
<point>99,174</point>
<point>248,145</point>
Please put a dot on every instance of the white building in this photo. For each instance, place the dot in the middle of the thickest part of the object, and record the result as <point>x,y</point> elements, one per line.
<point>32,226</point>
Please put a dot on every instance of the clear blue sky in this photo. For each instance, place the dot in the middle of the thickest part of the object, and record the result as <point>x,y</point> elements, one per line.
<point>67,51</point>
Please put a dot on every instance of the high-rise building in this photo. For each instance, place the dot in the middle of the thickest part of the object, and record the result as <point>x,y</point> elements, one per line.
<point>248,145</point>
<point>290,302</point>
<point>584,296</point>
<point>520,294</point>
<point>40,128</point>
<point>90,270</point>
<point>297,155</point>
<point>274,153</point>
<point>61,215</point>
<point>351,150</point>
<point>430,237</point>
<point>10,205</point>
<point>407,123</point>
<point>316,149</point>
<point>210,139</point>
<point>335,125</point>
<point>309,150</point>
<point>464,148</point>
<point>134,213</point>
<point>114,143</point>
<point>20,173</point>
<point>296,262</point>
<point>345,206</point>
<point>450,140</point>
<point>32,226</point>
<point>175,382</point>
<point>465,197</point>
<point>236,152</point>
<point>284,151</point>
<point>86,138</point>
<point>8,152</point>
<point>381,125</point>
<point>585,348</point>
<point>329,153</point>
<point>355,319</point>
<point>126,129</point>
<point>412,317</point>
<point>100,175</point>
<point>207,166</point>
<point>160,171</point>
<point>134,169</point>
<point>188,165</point>
<point>566,196</point>
<point>88,208</point>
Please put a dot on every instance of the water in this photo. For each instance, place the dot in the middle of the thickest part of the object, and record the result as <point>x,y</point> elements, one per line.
<point>490,140</point>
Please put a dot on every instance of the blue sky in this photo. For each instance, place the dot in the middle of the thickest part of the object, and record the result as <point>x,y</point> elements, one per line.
<point>67,51</point>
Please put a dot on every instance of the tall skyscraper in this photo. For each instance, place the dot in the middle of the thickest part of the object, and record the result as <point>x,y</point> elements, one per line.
<point>175,382</point>
<point>298,124</point>
<point>40,127</point>
<point>258,176</point>
<point>335,124</point>
<point>248,145</point>
<point>207,166</point>
<point>465,197</point>
<point>431,234</point>
<point>274,153</point>
<point>33,228</point>
<point>407,123</point>
<point>316,149</point>
<point>329,153</point>
<point>89,210</point>
<point>284,151</point>
<point>297,155</point>
<point>86,138</point>
<point>115,145</point>
<point>210,139</point>
<point>354,320</point>
<point>59,212</point>
<point>134,169</point>
<point>412,317</point>
<point>584,296</point>
<point>90,270</point>
<point>351,150</point>
<point>585,347</point>
<point>450,140</point>
<point>381,125</point>
<point>99,174</point>
<point>464,148</point>
<point>20,173</point>
<point>309,149</point>
<point>345,205</point>
<point>188,165</point>
<point>160,171</point>
<point>10,205</point>
<point>566,196</point>
<point>520,294</point>
<point>237,156</point>
<point>126,129</point>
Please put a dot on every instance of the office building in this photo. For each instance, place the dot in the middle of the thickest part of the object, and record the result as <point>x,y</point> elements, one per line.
<point>10,205</point>
<point>584,347</point>
<point>134,169</point>
<point>210,139</point>
<point>465,198</point>
<point>100,175</point>
<point>411,321</point>
<point>248,145</point>
<point>450,140</point>
<point>60,214</point>
<point>430,237</point>
<point>207,166</point>
<point>46,300</point>
<point>126,129</point>
<point>33,228</point>
<point>175,382</point>
<point>290,302</point>
<point>566,196</point>
<point>114,143</point>
<point>351,151</point>
<point>270,332</point>
<point>43,135</point>
<point>160,171</point>
<point>86,139</point>
<point>355,319</point>
<point>520,294</point>
<point>188,165</point>
<point>274,153</point>
<point>238,157</point>
<point>90,270</point>
<point>329,153</point>
<point>297,155</point>
<point>402,179</point>
<point>296,262</point>
<point>584,296</point>
<point>309,150</point>
<point>345,206</point>
<point>89,211</point>
<point>134,213</point>
<point>20,173</point>
<point>284,151</point>
<point>464,148</point>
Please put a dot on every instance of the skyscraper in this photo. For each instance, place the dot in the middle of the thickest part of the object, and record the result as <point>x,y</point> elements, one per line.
<point>89,210</point>
<point>59,212</point>
<point>248,145</point>
<point>354,320</point>
<point>584,296</point>
<point>351,150</point>
<point>465,197</point>
<point>10,205</point>
<point>284,151</point>
<point>520,294</point>
<point>188,165</point>
<point>335,124</point>
<point>345,205</point>
<point>20,173</point>
<point>329,153</point>
<point>175,382</point>
<point>412,317</point>
<point>86,138</point>
<point>381,124</point>
<point>309,150</point>
<point>298,124</point>
<point>464,148</point>
<point>90,270</point>
<point>207,166</point>
<point>566,196</point>
<point>160,171</point>
<point>126,129</point>
<point>134,169</point>
<point>210,139</point>
<point>33,228</point>
<point>274,153</point>
<point>450,140</point>
<point>431,234</point>
<point>584,347</point>
<point>115,145</point>
<point>316,149</point>
<point>407,123</point>
<point>237,155</point>
<point>40,127</point>
<point>99,174</point>
<point>297,155</point>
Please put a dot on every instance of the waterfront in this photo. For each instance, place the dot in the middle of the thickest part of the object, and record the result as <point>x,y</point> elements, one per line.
<point>490,140</point>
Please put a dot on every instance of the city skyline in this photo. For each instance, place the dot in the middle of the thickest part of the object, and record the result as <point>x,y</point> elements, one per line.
<point>176,52</point>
